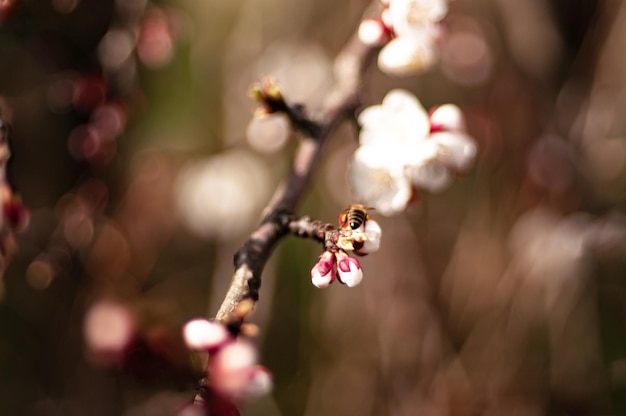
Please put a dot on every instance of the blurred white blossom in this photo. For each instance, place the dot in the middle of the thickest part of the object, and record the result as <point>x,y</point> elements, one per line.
<point>402,148</point>
<point>268,133</point>
<point>405,56</point>
<point>414,25</point>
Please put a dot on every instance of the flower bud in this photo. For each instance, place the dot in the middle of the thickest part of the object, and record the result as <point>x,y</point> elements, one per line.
<point>348,270</point>
<point>200,334</point>
<point>372,32</point>
<point>323,273</point>
<point>447,117</point>
<point>232,368</point>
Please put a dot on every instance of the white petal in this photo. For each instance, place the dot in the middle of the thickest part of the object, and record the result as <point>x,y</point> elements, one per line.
<point>405,56</point>
<point>433,176</point>
<point>376,157</point>
<point>372,32</point>
<point>352,278</point>
<point>371,116</point>
<point>319,280</point>
<point>458,150</point>
<point>402,101</point>
<point>353,275</point>
<point>373,233</point>
<point>420,153</point>
<point>386,190</point>
<point>409,15</point>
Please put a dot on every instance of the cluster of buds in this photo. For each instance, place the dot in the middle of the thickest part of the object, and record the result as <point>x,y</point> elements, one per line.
<point>356,233</point>
<point>232,368</point>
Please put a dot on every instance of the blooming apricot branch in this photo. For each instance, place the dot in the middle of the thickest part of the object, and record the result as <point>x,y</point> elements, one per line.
<point>401,148</point>
<point>278,219</point>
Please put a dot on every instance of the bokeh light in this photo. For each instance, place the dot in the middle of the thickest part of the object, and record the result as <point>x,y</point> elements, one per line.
<point>220,197</point>
<point>108,328</point>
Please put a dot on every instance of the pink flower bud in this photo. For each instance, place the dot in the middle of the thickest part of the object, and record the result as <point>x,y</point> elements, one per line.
<point>232,368</point>
<point>447,117</point>
<point>373,232</point>
<point>323,273</point>
<point>203,335</point>
<point>349,270</point>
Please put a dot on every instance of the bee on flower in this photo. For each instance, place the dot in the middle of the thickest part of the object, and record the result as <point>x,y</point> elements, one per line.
<point>357,233</point>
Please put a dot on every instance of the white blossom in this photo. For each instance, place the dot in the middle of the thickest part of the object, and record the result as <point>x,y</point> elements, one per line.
<point>401,148</point>
<point>373,232</point>
<point>407,55</point>
<point>414,24</point>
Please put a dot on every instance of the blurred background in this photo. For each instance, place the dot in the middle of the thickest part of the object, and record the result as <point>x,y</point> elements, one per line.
<point>133,149</point>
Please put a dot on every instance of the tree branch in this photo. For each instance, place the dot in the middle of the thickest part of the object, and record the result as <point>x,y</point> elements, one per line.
<point>278,219</point>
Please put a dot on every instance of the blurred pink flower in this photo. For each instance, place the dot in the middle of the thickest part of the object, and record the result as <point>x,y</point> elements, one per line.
<point>233,371</point>
<point>232,368</point>
<point>200,334</point>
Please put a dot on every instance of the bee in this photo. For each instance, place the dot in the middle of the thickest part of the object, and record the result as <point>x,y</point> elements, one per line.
<point>354,216</point>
